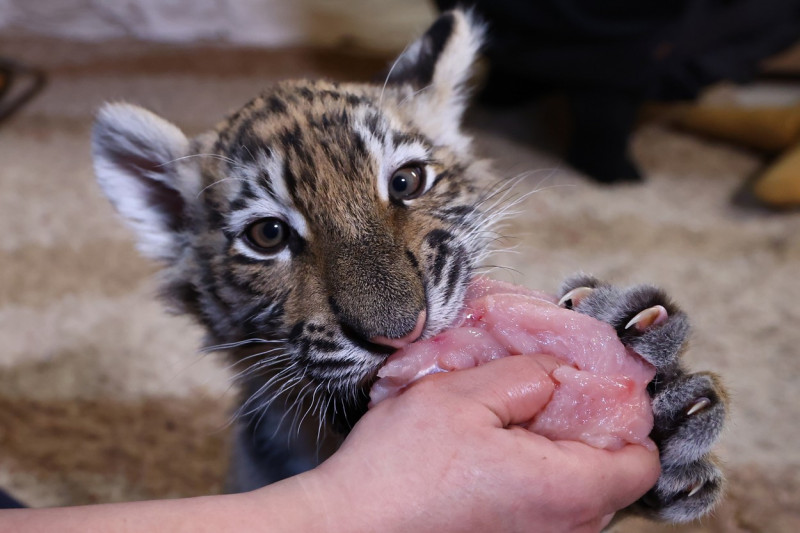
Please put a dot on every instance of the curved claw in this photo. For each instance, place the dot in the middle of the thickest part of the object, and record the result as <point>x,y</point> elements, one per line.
<point>699,405</point>
<point>694,489</point>
<point>649,317</point>
<point>574,297</point>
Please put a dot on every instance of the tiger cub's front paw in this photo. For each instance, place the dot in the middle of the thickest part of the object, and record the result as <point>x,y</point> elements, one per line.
<point>688,409</point>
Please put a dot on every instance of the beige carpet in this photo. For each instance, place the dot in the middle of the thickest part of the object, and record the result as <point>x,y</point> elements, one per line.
<point>103,397</point>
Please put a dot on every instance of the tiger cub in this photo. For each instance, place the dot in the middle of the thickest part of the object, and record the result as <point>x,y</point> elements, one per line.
<point>323,225</point>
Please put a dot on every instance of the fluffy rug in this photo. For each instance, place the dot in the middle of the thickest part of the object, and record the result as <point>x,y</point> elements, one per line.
<point>103,396</point>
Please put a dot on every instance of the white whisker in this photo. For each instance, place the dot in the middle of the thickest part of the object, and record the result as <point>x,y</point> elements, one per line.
<point>389,74</point>
<point>229,345</point>
<point>415,93</point>
<point>259,366</point>
<point>297,407</point>
<point>221,180</point>
<point>212,156</point>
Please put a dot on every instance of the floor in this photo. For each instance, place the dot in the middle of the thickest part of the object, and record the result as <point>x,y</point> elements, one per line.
<point>104,398</point>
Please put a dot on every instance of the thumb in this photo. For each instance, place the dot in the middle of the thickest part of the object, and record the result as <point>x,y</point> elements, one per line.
<point>514,388</point>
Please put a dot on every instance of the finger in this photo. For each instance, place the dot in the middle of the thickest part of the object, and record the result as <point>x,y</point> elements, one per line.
<point>633,472</point>
<point>514,389</point>
<point>619,477</point>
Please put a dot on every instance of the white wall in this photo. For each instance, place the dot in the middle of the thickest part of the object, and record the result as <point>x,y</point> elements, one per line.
<point>373,24</point>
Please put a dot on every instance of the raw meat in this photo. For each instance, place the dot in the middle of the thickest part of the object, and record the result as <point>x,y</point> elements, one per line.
<point>600,395</point>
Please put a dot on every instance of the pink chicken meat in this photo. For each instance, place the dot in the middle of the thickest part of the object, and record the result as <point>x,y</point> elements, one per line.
<point>600,396</point>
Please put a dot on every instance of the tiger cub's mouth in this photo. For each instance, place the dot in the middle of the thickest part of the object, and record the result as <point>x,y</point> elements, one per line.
<point>432,320</point>
<point>383,349</point>
<point>384,346</point>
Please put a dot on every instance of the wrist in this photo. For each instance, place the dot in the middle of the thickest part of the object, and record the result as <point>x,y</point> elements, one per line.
<point>311,501</point>
<point>344,499</point>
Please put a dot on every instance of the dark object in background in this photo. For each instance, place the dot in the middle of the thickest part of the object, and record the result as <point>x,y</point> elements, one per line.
<point>18,84</point>
<point>7,502</point>
<point>609,57</point>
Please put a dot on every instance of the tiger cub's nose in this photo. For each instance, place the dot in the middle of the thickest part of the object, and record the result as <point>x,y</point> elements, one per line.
<point>406,339</point>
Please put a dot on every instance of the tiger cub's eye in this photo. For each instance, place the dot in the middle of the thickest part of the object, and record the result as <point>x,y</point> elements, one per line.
<point>407,183</point>
<point>267,235</point>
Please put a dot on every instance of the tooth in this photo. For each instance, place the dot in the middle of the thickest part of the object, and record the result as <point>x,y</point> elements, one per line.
<point>649,317</point>
<point>699,405</point>
<point>576,295</point>
<point>695,489</point>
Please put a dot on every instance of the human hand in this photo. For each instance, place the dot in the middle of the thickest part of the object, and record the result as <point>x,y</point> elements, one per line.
<point>447,455</point>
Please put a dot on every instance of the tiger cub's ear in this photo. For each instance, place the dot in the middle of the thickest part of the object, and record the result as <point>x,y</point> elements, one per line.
<point>438,66</point>
<point>137,163</point>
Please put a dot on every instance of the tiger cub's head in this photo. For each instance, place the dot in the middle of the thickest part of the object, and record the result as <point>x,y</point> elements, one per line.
<point>319,227</point>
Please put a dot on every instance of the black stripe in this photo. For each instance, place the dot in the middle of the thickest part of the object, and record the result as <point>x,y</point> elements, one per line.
<point>297,244</point>
<point>290,178</point>
<point>403,137</point>
<point>359,146</point>
<point>306,93</point>
<point>419,70</point>
<point>296,330</point>
<point>325,346</point>
<point>438,239</point>
<point>453,277</point>
<point>276,105</point>
<point>245,144</point>
<point>457,214</point>
<point>214,217</point>
<point>442,175</point>
<point>239,204</point>
<point>333,95</point>
<point>247,190</point>
<point>373,123</point>
<point>413,259</point>
<point>265,183</point>
<point>354,99</point>
<point>292,136</point>
<point>270,320</point>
